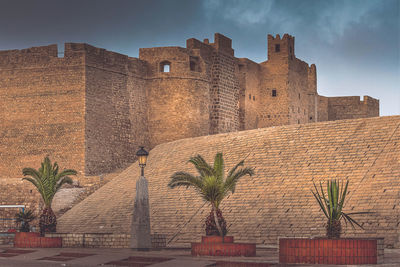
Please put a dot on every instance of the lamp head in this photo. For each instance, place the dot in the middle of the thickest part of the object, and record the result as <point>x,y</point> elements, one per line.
<point>142,156</point>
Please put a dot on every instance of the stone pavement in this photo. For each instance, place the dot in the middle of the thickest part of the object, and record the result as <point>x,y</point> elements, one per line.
<point>125,257</point>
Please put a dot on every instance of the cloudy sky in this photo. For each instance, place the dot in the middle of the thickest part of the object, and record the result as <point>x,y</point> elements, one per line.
<point>354,43</point>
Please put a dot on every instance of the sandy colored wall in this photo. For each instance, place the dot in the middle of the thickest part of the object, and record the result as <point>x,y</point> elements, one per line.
<point>178,100</point>
<point>116,113</point>
<point>276,201</point>
<point>351,107</point>
<point>42,109</point>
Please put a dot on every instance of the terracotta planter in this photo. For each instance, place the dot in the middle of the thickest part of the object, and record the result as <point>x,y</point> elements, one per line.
<point>216,239</point>
<point>213,246</point>
<point>34,240</point>
<point>329,251</point>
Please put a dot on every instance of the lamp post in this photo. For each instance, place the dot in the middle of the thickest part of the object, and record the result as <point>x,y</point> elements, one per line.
<point>140,231</point>
<point>142,155</point>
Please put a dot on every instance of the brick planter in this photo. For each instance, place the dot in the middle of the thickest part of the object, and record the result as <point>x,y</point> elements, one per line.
<point>330,251</point>
<point>213,246</point>
<point>34,240</point>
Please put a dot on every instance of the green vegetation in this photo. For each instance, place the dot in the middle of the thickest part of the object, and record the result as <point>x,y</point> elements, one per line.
<point>48,180</point>
<point>332,204</point>
<point>212,187</point>
<point>24,218</point>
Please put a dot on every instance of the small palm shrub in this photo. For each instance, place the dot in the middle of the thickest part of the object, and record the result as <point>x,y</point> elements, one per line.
<point>212,186</point>
<point>48,180</point>
<point>332,203</point>
<point>23,218</point>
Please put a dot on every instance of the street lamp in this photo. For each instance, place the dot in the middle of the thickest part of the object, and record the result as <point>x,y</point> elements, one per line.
<point>142,158</point>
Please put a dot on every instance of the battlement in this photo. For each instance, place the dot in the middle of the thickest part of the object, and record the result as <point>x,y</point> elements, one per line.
<point>281,48</point>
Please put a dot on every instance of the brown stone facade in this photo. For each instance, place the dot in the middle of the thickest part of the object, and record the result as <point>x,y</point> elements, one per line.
<point>91,109</point>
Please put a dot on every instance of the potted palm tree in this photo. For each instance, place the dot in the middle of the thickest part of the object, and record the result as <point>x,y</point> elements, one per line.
<point>332,204</point>
<point>23,218</point>
<point>48,180</point>
<point>332,249</point>
<point>213,187</point>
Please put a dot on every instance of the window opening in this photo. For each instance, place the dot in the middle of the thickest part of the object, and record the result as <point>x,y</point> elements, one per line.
<point>274,93</point>
<point>254,98</point>
<point>192,66</point>
<point>277,48</point>
<point>250,96</point>
<point>165,66</point>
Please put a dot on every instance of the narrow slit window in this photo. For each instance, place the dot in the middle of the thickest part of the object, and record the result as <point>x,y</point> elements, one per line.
<point>277,48</point>
<point>274,93</point>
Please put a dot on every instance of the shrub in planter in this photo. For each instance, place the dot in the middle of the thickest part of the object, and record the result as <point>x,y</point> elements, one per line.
<point>212,186</point>
<point>332,203</point>
<point>23,218</point>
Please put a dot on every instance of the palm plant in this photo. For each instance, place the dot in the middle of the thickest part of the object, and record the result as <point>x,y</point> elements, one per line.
<point>48,180</point>
<point>24,218</point>
<point>332,206</point>
<point>212,187</point>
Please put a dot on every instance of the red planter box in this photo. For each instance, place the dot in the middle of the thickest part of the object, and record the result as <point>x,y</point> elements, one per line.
<point>213,246</point>
<point>34,240</point>
<point>328,251</point>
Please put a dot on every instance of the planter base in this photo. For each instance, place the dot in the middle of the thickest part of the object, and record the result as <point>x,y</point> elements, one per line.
<point>34,240</point>
<point>213,246</point>
<point>330,251</point>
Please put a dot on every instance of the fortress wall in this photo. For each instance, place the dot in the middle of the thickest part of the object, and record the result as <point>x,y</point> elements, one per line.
<point>322,108</point>
<point>42,109</point>
<point>18,192</point>
<point>250,94</point>
<point>312,94</point>
<point>116,116</point>
<point>178,101</point>
<point>274,110</point>
<point>224,93</point>
<point>351,107</point>
<point>298,88</point>
<point>276,201</point>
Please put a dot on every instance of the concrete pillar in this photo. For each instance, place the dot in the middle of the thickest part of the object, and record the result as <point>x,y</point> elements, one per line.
<point>140,230</point>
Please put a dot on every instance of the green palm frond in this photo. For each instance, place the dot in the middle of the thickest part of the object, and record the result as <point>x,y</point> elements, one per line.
<point>47,179</point>
<point>332,206</point>
<point>219,167</point>
<point>233,178</point>
<point>211,184</point>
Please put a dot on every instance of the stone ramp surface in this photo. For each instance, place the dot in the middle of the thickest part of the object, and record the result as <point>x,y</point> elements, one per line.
<point>277,200</point>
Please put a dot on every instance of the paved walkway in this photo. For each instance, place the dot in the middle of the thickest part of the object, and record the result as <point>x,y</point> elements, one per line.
<point>126,257</point>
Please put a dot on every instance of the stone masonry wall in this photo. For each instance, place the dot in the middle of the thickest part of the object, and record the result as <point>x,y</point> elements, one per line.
<point>17,192</point>
<point>277,200</point>
<point>322,108</point>
<point>250,96</point>
<point>103,240</point>
<point>42,109</point>
<point>116,113</point>
<point>350,107</point>
<point>178,100</point>
<point>224,91</point>
<point>299,91</point>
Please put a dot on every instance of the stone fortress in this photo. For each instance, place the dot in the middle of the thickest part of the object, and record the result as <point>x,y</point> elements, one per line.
<point>92,108</point>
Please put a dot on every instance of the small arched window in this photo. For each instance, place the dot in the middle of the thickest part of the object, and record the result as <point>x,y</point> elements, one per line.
<point>165,66</point>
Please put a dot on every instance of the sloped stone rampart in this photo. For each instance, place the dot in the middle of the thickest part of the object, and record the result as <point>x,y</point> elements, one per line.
<point>276,201</point>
